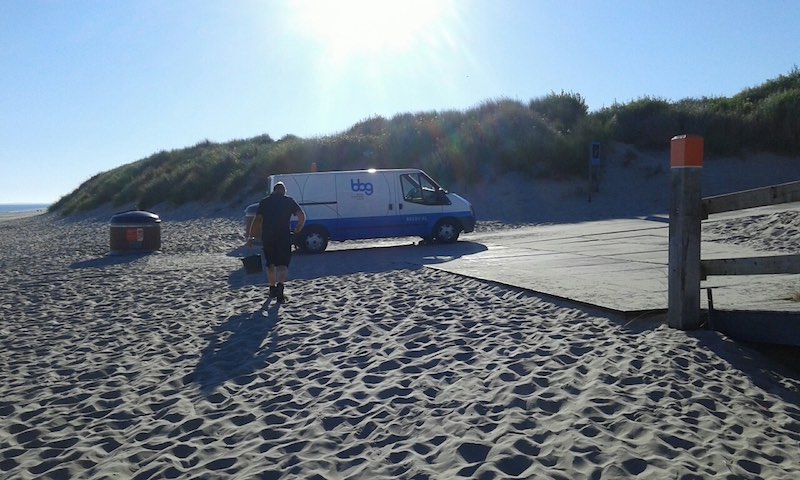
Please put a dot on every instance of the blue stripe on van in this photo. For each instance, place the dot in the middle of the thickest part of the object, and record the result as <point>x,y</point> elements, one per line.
<point>417,225</point>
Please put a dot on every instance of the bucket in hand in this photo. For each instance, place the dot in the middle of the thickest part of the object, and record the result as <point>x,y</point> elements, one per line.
<point>252,264</point>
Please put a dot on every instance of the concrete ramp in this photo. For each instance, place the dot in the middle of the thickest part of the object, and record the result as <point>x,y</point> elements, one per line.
<point>621,266</point>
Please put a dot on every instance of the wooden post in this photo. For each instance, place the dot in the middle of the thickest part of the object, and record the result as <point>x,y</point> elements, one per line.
<point>685,215</point>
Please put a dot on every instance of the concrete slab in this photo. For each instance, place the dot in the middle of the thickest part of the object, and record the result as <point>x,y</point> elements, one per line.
<point>618,265</point>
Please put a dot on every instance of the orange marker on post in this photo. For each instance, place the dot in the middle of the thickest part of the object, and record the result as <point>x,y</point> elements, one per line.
<point>686,151</point>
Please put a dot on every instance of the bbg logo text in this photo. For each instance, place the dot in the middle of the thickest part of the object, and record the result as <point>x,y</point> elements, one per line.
<point>359,187</point>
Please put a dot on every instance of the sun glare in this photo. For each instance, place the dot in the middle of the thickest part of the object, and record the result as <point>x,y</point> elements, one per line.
<point>351,28</point>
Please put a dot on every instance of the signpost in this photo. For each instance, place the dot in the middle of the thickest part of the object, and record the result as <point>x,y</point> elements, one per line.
<point>594,168</point>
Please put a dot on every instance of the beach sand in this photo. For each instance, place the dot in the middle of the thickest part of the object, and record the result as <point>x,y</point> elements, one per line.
<point>172,365</point>
<point>8,216</point>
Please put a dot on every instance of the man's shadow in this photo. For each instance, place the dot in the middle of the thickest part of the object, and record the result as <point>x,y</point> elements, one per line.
<point>237,349</point>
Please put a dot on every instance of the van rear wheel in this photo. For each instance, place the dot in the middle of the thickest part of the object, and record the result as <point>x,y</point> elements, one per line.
<point>313,240</point>
<point>446,231</point>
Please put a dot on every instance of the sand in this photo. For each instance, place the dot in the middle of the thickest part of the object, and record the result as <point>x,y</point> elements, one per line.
<point>173,365</point>
<point>8,216</point>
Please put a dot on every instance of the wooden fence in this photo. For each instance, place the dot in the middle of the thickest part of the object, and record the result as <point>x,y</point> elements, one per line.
<point>759,197</point>
<point>687,210</point>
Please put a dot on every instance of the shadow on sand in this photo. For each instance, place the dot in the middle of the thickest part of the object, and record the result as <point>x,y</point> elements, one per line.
<point>109,260</point>
<point>370,259</point>
<point>237,349</point>
<point>767,366</point>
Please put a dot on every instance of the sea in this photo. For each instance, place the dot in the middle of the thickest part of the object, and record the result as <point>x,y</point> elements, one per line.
<point>22,207</point>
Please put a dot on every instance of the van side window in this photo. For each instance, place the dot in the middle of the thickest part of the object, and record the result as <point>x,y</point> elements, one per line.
<point>419,188</point>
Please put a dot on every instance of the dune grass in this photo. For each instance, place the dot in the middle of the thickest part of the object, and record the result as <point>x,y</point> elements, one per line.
<point>547,137</point>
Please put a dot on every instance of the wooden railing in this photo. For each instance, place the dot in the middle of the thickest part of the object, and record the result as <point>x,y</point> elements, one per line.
<point>687,210</point>
<point>759,197</point>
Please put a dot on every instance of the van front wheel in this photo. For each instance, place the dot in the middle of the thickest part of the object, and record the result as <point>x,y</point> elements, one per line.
<point>313,240</point>
<point>446,231</point>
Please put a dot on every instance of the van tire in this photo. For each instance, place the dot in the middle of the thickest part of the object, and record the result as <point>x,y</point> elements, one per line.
<point>446,231</point>
<point>313,239</point>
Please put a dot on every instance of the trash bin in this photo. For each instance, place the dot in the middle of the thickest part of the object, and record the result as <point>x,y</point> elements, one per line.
<point>249,216</point>
<point>135,231</point>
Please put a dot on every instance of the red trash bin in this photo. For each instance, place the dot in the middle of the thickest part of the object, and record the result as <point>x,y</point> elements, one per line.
<point>135,231</point>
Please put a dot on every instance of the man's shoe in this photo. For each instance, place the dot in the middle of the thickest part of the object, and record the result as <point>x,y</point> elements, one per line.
<point>279,293</point>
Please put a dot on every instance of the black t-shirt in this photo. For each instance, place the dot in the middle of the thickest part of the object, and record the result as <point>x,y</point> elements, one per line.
<point>276,211</point>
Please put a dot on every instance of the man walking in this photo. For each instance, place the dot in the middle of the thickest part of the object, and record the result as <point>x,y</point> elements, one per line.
<point>274,216</point>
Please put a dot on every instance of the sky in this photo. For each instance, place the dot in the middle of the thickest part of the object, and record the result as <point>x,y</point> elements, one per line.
<point>90,85</point>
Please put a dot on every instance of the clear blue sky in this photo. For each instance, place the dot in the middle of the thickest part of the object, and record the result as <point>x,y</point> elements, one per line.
<point>89,85</point>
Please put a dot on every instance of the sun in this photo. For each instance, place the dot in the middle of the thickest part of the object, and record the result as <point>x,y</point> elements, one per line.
<point>350,28</point>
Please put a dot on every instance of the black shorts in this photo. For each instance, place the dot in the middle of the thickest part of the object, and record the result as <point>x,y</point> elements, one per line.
<point>277,251</point>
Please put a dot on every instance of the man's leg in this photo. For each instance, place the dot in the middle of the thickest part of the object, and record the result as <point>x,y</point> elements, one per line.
<point>283,258</point>
<point>281,275</point>
<point>272,280</point>
<point>272,256</point>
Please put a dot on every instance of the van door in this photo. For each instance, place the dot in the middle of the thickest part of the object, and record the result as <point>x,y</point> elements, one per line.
<point>422,203</point>
<point>366,206</point>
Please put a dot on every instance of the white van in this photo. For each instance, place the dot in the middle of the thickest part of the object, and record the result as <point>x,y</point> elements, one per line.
<point>357,204</point>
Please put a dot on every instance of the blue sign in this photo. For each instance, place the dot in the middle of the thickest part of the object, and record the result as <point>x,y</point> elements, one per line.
<point>594,157</point>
